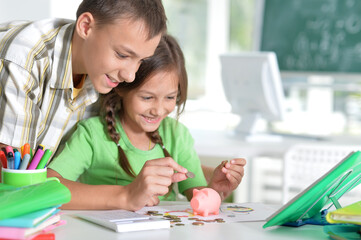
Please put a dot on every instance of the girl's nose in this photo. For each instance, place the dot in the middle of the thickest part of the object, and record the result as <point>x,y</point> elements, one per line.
<point>157,109</point>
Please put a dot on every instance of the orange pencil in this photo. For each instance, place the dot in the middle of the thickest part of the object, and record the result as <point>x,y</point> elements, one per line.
<point>26,149</point>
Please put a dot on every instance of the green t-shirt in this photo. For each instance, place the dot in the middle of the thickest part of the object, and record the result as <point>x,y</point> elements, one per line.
<point>90,157</point>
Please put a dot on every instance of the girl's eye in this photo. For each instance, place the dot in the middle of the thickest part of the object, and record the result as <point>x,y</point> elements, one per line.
<point>171,97</point>
<point>146,98</point>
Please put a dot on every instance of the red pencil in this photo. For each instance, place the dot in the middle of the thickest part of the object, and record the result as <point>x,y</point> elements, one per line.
<point>3,159</point>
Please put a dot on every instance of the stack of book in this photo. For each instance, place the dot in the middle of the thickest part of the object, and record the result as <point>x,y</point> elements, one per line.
<point>345,222</point>
<point>28,211</point>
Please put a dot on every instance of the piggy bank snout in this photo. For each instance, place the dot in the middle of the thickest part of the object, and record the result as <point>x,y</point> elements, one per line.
<point>195,203</point>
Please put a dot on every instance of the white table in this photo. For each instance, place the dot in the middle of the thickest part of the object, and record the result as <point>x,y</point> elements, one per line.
<point>78,229</point>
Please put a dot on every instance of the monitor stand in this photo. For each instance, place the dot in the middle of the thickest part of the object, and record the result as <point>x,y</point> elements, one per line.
<point>257,137</point>
<point>246,130</point>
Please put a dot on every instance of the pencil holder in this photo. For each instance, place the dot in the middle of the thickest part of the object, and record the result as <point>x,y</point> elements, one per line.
<point>20,178</point>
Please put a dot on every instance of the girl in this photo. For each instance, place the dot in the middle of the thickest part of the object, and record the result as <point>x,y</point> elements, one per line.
<point>116,150</point>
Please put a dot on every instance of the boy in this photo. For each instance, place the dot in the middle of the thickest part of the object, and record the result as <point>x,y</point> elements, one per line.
<point>52,70</point>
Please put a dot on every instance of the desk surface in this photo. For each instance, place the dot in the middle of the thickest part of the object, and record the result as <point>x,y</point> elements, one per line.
<point>77,228</point>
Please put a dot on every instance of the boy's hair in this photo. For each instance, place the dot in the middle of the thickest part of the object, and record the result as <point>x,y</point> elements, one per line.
<point>108,11</point>
<point>167,57</point>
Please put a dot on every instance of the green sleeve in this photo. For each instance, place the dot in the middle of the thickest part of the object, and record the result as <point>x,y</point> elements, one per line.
<point>186,156</point>
<point>77,154</point>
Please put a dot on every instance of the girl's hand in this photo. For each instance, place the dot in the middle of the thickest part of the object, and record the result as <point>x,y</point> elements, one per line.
<point>227,176</point>
<point>153,181</point>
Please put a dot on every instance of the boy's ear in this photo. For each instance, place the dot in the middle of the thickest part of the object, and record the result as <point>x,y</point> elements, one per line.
<point>84,24</point>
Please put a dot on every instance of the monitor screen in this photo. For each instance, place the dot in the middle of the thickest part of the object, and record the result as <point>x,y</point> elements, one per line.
<point>253,87</point>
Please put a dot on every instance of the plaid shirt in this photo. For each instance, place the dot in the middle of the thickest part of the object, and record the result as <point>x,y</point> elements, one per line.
<point>36,84</point>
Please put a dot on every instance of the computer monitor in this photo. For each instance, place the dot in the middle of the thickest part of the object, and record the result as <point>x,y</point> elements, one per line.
<point>253,87</point>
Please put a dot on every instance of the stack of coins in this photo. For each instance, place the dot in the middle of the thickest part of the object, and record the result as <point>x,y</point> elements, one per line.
<point>177,221</point>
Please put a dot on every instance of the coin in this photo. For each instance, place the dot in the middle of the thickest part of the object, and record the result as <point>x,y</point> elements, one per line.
<point>208,221</point>
<point>152,212</point>
<point>198,223</point>
<point>176,220</point>
<point>190,175</point>
<point>179,224</point>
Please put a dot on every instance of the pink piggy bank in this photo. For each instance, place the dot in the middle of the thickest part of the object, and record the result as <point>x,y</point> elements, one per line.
<point>205,202</point>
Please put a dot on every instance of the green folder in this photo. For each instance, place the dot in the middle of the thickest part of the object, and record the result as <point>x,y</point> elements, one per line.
<point>323,192</point>
<point>16,201</point>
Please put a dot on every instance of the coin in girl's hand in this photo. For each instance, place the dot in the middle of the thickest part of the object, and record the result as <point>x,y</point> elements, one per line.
<point>190,175</point>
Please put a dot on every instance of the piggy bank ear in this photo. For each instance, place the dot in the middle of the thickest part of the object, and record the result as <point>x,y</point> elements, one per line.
<point>206,193</point>
<point>195,191</point>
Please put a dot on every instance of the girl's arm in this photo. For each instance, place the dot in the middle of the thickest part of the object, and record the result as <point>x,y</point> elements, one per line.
<point>84,196</point>
<point>152,181</point>
<point>225,178</point>
<point>208,172</point>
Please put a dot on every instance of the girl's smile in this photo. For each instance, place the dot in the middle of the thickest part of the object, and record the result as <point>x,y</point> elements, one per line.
<point>146,106</point>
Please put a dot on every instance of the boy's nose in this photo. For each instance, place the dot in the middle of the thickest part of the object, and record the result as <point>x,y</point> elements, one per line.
<point>128,73</point>
<point>127,76</point>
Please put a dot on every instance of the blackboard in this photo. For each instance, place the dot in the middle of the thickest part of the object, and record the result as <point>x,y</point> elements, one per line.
<point>313,35</point>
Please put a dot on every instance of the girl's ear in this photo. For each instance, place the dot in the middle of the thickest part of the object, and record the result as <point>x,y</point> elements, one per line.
<point>84,24</point>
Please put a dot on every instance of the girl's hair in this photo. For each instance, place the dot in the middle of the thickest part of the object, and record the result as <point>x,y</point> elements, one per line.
<point>167,57</point>
<point>108,11</point>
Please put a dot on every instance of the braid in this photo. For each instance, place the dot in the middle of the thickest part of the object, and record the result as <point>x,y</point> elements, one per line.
<point>110,106</point>
<point>156,138</point>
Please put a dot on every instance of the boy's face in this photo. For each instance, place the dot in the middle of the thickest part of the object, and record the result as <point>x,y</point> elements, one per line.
<point>146,106</point>
<point>112,53</point>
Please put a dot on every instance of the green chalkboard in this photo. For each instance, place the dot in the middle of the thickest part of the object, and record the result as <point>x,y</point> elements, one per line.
<point>313,35</point>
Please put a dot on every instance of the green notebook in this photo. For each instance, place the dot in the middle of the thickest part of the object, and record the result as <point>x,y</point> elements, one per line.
<point>327,189</point>
<point>348,214</point>
<point>16,201</point>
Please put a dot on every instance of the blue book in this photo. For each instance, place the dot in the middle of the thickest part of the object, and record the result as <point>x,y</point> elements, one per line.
<point>29,220</point>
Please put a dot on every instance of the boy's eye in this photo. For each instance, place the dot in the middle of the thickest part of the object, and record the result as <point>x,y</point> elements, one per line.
<point>171,97</point>
<point>121,55</point>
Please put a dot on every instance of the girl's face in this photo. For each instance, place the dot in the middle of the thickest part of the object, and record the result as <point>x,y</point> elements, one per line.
<point>146,106</point>
<point>112,53</point>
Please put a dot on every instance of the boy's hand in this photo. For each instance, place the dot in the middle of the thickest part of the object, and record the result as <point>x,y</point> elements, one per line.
<point>227,176</point>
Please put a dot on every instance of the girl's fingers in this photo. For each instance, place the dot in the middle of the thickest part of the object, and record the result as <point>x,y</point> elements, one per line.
<point>177,177</point>
<point>167,162</point>
<point>234,180</point>
<point>238,161</point>
<point>234,176</point>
